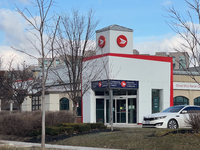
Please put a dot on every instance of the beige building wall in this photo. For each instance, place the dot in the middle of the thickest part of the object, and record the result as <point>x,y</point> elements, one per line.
<point>188,93</point>
<point>185,78</point>
<point>26,105</point>
<point>52,102</point>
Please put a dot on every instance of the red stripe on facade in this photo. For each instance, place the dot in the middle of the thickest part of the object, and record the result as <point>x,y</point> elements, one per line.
<point>171,86</point>
<point>145,57</point>
<point>81,101</point>
<point>24,80</point>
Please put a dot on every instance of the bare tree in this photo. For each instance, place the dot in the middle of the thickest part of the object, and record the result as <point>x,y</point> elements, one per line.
<point>17,83</point>
<point>44,31</point>
<point>74,45</point>
<point>187,29</point>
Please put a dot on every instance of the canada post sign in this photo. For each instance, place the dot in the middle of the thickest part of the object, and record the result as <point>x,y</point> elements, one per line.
<point>114,84</point>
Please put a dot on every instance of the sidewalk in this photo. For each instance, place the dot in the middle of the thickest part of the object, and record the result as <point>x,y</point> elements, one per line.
<point>25,144</point>
<point>125,125</point>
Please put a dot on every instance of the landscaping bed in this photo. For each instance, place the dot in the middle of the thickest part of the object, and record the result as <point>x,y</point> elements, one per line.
<point>56,138</point>
<point>123,138</point>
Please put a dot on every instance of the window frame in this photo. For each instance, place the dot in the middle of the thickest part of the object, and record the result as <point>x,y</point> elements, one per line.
<point>64,104</point>
<point>36,103</point>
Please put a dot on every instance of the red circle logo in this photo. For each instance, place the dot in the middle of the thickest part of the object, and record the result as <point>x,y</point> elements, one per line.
<point>123,83</point>
<point>100,84</point>
<point>102,41</point>
<point>122,41</point>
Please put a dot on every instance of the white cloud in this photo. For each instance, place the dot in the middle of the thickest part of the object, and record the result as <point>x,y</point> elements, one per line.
<point>8,53</point>
<point>166,44</point>
<point>8,3</point>
<point>24,1</point>
<point>99,1</point>
<point>167,3</point>
<point>151,47</point>
<point>13,26</point>
<point>20,1</point>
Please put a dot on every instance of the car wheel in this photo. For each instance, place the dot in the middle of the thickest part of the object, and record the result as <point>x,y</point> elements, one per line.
<point>172,124</point>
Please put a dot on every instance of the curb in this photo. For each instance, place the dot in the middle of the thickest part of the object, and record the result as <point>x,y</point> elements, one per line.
<point>26,144</point>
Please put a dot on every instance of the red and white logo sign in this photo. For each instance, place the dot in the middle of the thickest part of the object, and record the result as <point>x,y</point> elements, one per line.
<point>123,83</point>
<point>122,41</point>
<point>102,41</point>
<point>100,84</point>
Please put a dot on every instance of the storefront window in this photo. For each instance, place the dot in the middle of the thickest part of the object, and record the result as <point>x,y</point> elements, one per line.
<point>197,101</point>
<point>64,104</point>
<point>155,101</point>
<point>132,110</point>
<point>132,92</point>
<point>99,93</point>
<point>119,92</point>
<point>100,110</point>
<point>116,92</point>
<point>79,108</point>
<point>181,100</point>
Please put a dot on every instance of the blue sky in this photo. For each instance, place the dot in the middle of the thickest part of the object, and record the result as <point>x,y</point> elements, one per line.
<point>145,17</point>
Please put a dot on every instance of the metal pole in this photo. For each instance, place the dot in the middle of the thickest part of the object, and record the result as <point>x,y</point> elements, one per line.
<point>111,109</point>
<point>11,107</point>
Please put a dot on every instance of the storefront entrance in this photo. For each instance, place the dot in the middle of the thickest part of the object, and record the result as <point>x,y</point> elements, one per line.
<point>124,110</point>
<point>123,94</point>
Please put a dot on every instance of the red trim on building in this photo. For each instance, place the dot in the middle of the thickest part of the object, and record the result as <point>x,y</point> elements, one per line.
<point>81,99</point>
<point>171,86</point>
<point>24,80</point>
<point>95,57</point>
<point>145,57</point>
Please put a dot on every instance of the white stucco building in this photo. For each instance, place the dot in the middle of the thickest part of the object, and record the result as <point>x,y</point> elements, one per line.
<point>139,84</point>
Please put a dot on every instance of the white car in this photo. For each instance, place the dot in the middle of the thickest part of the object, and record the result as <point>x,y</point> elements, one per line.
<point>172,117</point>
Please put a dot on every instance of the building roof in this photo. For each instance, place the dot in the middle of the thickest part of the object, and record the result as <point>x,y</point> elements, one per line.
<point>116,28</point>
<point>188,71</point>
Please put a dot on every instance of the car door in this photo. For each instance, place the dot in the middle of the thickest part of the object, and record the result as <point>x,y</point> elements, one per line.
<point>185,115</point>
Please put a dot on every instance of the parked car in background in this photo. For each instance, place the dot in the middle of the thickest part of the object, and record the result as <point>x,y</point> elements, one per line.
<point>173,117</point>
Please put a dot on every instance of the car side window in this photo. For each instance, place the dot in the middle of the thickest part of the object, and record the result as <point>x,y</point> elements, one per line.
<point>191,110</point>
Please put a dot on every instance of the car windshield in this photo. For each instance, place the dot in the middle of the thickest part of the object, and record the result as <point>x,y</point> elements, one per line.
<point>173,109</point>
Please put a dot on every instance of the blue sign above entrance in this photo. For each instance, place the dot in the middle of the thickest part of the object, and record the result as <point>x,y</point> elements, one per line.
<point>114,84</point>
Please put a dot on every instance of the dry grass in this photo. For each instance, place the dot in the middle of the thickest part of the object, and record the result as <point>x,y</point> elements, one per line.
<point>135,138</point>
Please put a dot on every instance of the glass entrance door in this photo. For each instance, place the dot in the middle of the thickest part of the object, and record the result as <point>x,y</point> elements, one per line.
<point>124,110</point>
<point>121,110</point>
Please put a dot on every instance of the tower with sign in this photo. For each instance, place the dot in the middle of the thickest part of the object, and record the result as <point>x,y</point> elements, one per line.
<point>114,39</point>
